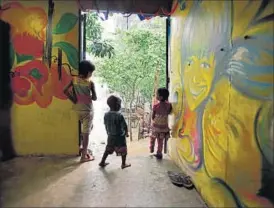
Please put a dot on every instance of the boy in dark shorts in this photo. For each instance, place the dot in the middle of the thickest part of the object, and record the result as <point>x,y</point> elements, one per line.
<point>117,131</point>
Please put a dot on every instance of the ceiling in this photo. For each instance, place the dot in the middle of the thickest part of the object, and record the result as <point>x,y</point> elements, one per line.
<point>156,7</point>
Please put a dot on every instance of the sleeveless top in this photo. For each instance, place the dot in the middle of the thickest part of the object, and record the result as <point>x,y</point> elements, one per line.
<point>160,122</point>
<point>83,94</point>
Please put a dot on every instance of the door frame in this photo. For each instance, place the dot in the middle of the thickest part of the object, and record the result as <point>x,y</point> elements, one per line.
<point>168,20</point>
<point>82,54</point>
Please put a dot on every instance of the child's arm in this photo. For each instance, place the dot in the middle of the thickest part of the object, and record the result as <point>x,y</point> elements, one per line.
<point>105,123</point>
<point>66,92</point>
<point>153,112</point>
<point>125,125</point>
<point>93,91</point>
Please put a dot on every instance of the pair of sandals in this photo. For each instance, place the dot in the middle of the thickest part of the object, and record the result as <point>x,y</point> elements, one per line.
<point>180,179</point>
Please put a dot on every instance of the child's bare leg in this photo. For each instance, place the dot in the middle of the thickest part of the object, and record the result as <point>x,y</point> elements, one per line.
<point>160,142</point>
<point>85,156</point>
<point>152,144</point>
<point>124,164</point>
<point>103,162</point>
<point>85,142</point>
<point>159,154</point>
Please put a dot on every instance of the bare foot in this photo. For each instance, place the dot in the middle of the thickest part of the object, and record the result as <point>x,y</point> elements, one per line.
<point>87,158</point>
<point>125,166</point>
<point>103,164</point>
<point>81,150</point>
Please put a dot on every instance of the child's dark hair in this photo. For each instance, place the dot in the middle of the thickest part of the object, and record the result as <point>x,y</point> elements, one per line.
<point>114,103</point>
<point>86,67</point>
<point>164,93</point>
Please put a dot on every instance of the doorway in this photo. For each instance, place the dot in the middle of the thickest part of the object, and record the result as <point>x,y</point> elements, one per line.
<point>133,52</point>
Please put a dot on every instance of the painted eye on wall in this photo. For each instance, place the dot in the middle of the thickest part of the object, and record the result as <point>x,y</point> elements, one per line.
<point>175,97</point>
<point>189,62</point>
<point>205,65</point>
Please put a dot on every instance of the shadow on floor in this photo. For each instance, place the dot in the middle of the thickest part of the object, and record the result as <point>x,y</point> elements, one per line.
<point>63,182</point>
<point>24,176</point>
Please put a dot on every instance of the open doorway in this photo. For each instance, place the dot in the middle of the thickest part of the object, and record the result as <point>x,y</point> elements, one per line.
<point>130,56</point>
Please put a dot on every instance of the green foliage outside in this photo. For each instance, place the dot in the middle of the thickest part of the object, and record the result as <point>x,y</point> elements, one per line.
<point>95,44</point>
<point>137,53</point>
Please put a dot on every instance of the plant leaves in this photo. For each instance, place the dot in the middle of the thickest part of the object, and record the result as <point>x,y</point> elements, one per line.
<point>66,23</point>
<point>12,54</point>
<point>23,58</point>
<point>70,51</point>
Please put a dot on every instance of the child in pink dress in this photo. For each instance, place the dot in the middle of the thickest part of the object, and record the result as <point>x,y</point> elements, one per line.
<point>160,129</point>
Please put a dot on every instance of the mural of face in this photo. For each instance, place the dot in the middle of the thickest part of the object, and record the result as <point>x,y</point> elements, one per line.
<point>189,145</point>
<point>229,142</point>
<point>197,78</point>
<point>225,116</point>
<point>264,131</point>
<point>272,134</point>
<point>226,129</point>
<point>214,132</point>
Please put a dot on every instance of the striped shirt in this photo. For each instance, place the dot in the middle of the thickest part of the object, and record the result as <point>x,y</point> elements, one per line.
<point>83,93</point>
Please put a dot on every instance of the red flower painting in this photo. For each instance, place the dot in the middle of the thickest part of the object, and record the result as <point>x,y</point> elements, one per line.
<point>26,44</point>
<point>33,81</point>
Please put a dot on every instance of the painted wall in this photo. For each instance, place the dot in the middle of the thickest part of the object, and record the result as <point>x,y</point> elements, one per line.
<point>222,91</point>
<point>42,119</point>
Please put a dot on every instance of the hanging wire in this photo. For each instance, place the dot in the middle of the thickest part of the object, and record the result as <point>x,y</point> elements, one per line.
<point>96,5</point>
<point>127,16</point>
<point>80,5</point>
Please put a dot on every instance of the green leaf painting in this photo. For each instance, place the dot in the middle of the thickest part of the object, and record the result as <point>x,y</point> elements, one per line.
<point>70,51</point>
<point>23,58</point>
<point>35,74</point>
<point>66,23</point>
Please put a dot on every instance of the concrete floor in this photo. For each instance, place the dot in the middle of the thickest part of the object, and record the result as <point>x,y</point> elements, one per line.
<point>63,182</point>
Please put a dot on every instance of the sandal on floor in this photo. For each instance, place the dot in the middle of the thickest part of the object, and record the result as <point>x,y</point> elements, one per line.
<point>158,156</point>
<point>125,166</point>
<point>102,165</point>
<point>87,158</point>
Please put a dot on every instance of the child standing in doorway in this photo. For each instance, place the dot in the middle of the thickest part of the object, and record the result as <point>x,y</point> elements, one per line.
<point>117,131</point>
<point>83,95</point>
<point>160,129</point>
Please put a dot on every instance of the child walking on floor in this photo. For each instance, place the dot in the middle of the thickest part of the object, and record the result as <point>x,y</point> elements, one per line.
<point>83,94</point>
<point>117,131</point>
<point>160,129</point>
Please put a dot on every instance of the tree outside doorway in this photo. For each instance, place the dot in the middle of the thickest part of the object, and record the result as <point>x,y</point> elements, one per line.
<point>127,61</point>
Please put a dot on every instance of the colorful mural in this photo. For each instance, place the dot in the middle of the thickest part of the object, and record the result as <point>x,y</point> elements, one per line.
<point>222,92</point>
<point>34,79</point>
<point>44,56</point>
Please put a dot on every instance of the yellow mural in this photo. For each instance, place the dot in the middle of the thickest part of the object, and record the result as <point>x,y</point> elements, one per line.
<point>222,93</point>
<point>42,119</point>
